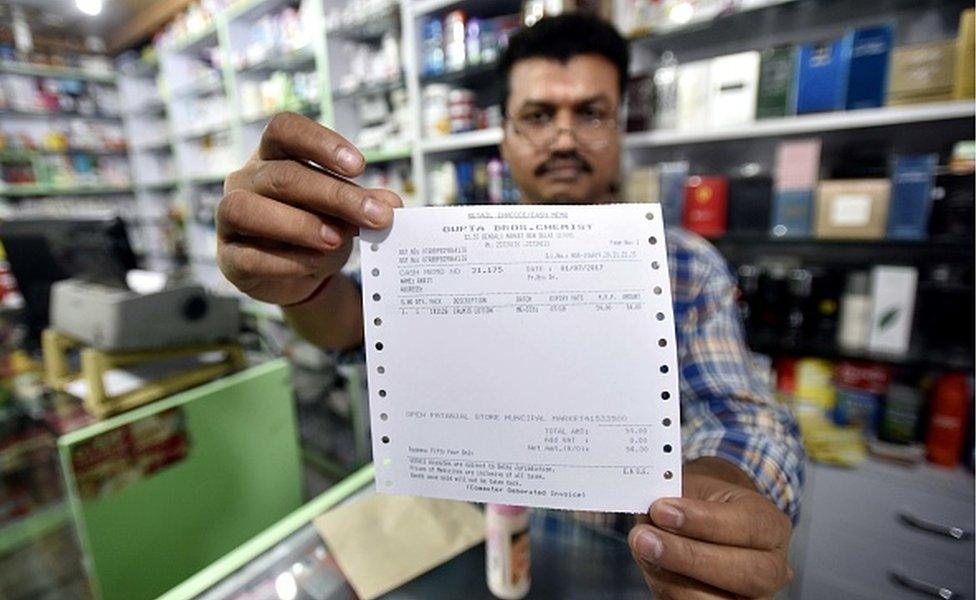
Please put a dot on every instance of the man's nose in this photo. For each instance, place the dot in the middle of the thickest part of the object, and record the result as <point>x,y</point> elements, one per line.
<point>565,140</point>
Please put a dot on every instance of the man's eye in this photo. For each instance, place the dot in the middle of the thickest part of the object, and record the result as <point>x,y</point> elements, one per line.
<point>536,118</point>
<point>593,114</point>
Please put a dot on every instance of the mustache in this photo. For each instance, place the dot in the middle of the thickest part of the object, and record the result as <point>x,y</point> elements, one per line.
<point>563,160</point>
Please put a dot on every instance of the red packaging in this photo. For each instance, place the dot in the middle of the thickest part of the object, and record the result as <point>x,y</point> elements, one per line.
<point>785,375</point>
<point>870,377</point>
<point>706,205</point>
<point>947,419</point>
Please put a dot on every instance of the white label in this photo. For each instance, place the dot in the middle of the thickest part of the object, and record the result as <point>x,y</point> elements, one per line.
<point>850,210</point>
<point>523,355</point>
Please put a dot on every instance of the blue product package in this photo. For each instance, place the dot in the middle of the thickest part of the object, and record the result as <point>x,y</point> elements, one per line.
<point>857,407</point>
<point>672,190</point>
<point>792,213</point>
<point>822,75</point>
<point>912,178</point>
<point>867,79</point>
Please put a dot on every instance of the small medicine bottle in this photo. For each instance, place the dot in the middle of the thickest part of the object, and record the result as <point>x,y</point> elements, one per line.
<point>507,551</point>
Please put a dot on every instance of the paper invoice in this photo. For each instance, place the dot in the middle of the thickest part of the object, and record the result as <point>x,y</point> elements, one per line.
<point>523,355</point>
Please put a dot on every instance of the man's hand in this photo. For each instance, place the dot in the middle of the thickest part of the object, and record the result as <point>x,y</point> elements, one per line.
<point>283,227</point>
<point>722,539</point>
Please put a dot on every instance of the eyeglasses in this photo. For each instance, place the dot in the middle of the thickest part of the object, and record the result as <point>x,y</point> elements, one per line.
<point>592,131</point>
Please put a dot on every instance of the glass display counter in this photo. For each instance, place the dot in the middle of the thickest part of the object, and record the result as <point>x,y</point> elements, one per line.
<point>288,561</point>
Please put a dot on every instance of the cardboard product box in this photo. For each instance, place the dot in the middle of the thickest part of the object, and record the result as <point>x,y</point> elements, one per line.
<point>912,177</point>
<point>922,73</point>
<point>733,81</point>
<point>693,95</point>
<point>893,308</point>
<point>642,185</point>
<point>798,164</point>
<point>792,213</point>
<point>797,172</point>
<point>822,69</point>
<point>852,209</point>
<point>750,204</point>
<point>776,96</point>
<point>965,86</point>
<point>706,205</point>
<point>867,78</point>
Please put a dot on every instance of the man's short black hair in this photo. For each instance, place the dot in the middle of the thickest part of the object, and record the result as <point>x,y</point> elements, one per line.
<point>562,38</point>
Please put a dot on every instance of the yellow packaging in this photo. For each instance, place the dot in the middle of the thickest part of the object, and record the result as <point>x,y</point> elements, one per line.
<point>965,88</point>
<point>922,73</point>
<point>815,382</point>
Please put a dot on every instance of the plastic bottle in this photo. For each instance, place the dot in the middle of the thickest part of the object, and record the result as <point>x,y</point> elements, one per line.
<point>507,551</point>
<point>454,41</point>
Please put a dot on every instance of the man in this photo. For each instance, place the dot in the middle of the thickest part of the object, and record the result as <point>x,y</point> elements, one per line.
<point>285,230</point>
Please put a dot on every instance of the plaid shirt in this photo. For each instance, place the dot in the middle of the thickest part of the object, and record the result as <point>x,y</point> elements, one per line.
<point>726,410</point>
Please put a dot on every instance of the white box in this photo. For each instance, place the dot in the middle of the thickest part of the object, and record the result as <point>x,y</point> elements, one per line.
<point>893,308</point>
<point>733,82</point>
<point>693,96</point>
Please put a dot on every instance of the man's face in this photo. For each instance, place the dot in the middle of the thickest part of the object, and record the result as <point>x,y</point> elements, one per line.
<point>578,166</point>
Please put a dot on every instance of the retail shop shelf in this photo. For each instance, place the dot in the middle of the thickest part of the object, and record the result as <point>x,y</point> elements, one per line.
<point>207,179</point>
<point>469,75</point>
<point>705,22</point>
<point>915,358</point>
<point>20,68</point>
<point>423,7</point>
<point>22,531</point>
<point>370,88</point>
<point>463,141</point>
<point>200,132</point>
<point>209,83</point>
<point>814,123</point>
<point>45,114</point>
<point>24,154</point>
<point>746,248</point>
<point>158,185</point>
<point>378,155</point>
<point>296,60</point>
<point>35,189</point>
<point>368,26</point>
<point>195,40</point>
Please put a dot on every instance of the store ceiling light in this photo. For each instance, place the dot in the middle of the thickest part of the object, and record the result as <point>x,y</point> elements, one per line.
<point>89,7</point>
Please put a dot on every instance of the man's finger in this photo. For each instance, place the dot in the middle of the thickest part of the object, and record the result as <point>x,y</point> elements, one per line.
<point>743,571</point>
<point>306,188</point>
<point>759,525</point>
<point>246,214</point>
<point>290,135</point>
<point>245,263</point>
<point>667,585</point>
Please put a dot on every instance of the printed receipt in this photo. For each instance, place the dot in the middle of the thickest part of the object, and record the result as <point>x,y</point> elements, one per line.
<point>523,355</point>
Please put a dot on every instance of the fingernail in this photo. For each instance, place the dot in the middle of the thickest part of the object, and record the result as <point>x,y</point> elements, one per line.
<point>668,516</point>
<point>331,236</point>
<point>649,546</point>
<point>348,160</point>
<point>375,212</point>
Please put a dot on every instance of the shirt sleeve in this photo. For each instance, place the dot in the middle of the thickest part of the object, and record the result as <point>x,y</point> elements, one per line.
<point>727,411</point>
